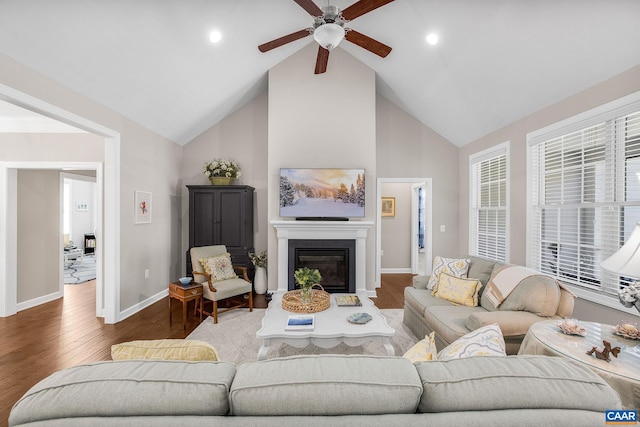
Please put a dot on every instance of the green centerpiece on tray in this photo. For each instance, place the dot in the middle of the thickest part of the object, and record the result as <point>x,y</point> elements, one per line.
<point>221,172</point>
<point>306,278</point>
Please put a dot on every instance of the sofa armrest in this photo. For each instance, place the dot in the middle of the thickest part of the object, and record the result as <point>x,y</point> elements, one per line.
<point>512,323</point>
<point>420,282</point>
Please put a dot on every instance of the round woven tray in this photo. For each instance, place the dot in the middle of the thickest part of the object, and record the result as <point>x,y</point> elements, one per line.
<point>291,301</point>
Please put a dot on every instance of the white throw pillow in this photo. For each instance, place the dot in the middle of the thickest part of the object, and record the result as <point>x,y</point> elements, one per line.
<point>457,267</point>
<point>484,341</point>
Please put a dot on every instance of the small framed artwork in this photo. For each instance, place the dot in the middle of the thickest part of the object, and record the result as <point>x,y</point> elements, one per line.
<point>142,205</point>
<point>388,206</point>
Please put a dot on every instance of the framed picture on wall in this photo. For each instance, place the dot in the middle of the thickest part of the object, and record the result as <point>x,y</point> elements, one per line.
<point>388,206</point>
<point>142,205</point>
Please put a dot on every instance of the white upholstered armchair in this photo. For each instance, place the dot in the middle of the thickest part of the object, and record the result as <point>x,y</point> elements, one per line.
<point>212,267</point>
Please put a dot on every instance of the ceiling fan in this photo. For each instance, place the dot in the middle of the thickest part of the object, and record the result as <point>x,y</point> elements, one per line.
<point>328,30</point>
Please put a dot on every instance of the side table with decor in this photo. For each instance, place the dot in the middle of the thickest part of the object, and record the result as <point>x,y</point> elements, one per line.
<point>621,372</point>
<point>185,291</point>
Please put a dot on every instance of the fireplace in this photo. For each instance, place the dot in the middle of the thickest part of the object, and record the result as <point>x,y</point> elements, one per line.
<point>355,231</point>
<point>335,259</point>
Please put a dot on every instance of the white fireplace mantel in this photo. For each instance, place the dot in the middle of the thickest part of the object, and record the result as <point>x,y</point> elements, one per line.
<point>321,230</point>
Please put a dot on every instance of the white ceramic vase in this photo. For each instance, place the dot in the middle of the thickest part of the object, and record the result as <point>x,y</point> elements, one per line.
<point>260,281</point>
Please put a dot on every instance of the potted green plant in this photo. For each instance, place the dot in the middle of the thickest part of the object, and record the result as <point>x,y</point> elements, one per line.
<point>306,278</point>
<point>259,260</point>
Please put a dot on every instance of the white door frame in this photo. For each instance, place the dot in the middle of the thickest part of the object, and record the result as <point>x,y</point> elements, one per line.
<point>428,240</point>
<point>108,183</point>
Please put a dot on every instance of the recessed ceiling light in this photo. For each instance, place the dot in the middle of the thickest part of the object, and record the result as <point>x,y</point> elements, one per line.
<point>432,39</point>
<point>215,36</point>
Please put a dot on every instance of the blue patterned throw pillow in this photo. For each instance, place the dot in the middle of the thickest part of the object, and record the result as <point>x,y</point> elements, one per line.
<point>485,341</point>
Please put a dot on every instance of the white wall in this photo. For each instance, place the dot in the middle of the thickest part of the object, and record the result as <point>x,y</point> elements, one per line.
<point>396,231</point>
<point>406,148</point>
<point>242,137</point>
<point>39,236</point>
<point>82,221</point>
<point>614,88</point>
<point>324,120</point>
<point>147,162</point>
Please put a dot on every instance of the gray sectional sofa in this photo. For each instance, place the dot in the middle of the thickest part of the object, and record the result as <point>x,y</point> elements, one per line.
<point>536,298</point>
<point>319,391</point>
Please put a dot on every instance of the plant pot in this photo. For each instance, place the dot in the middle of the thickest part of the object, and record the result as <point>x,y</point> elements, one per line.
<point>220,180</point>
<point>260,281</point>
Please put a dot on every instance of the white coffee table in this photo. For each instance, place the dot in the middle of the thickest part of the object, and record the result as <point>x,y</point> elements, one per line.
<point>331,327</point>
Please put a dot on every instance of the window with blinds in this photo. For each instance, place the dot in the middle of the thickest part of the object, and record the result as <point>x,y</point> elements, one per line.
<point>585,199</point>
<point>488,216</point>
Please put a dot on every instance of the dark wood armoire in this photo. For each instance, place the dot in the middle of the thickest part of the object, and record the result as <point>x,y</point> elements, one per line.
<point>222,215</point>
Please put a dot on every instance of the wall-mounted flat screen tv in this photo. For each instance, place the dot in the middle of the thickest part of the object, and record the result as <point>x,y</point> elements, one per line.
<point>322,193</point>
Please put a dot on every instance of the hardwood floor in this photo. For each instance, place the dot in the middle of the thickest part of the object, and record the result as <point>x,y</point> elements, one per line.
<point>63,333</point>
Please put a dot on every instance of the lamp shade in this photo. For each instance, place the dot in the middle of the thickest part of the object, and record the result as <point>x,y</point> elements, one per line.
<point>626,261</point>
<point>329,35</point>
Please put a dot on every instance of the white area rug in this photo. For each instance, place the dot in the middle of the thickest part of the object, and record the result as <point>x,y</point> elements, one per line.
<point>234,337</point>
<point>81,270</point>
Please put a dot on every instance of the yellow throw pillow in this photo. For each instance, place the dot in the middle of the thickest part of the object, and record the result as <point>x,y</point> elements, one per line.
<point>219,267</point>
<point>458,267</point>
<point>168,349</point>
<point>458,290</point>
<point>423,350</point>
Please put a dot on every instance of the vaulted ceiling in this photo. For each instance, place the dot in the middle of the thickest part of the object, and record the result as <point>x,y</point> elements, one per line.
<point>497,60</point>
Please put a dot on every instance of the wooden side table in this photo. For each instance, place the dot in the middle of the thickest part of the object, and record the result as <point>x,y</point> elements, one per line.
<point>185,294</point>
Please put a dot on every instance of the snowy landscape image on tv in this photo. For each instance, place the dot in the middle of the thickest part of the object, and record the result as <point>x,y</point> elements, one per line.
<point>322,193</point>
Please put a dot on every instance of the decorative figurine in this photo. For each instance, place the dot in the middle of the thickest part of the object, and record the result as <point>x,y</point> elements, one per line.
<point>606,351</point>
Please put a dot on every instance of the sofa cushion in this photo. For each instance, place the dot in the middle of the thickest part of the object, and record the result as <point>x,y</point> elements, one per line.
<point>424,350</point>
<point>485,341</point>
<point>167,349</point>
<point>512,323</point>
<point>420,282</point>
<point>131,388</point>
<point>480,268</point>
<point>420,299</point>
<point>449,322</point>
<point>326,385</point>
<point>538,294</point>
<point>455,266</point>
<point>512,382</point>
<point>457,290</point>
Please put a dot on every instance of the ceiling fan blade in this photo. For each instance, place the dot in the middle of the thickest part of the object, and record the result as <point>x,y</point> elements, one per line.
<point>283,40</point>
<point>311,8</point>
<point>361,7</point>
<point>368,43</point>
<point>321,62</point>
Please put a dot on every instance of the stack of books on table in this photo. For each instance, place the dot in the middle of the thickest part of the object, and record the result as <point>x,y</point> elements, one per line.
<point>348,301</point>
<point>300,322</point>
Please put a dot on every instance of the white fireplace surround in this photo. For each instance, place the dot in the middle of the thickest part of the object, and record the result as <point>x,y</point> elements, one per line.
<point>322,230</point>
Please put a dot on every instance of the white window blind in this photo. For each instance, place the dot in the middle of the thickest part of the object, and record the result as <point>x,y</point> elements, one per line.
<point>585,200</point>
<point>488,222</point>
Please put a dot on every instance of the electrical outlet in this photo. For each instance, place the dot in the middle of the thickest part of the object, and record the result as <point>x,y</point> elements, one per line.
<point>146,273</point>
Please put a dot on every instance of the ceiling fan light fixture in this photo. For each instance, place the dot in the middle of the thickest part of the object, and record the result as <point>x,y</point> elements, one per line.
<point>329,35</point>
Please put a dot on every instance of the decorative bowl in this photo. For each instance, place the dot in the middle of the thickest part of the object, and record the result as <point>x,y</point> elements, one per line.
<point>359,318</point>
<point>185,280</point>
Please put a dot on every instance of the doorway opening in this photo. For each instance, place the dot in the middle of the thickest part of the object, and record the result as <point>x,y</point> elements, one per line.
<point>411,226</point>
<point>108,185</point>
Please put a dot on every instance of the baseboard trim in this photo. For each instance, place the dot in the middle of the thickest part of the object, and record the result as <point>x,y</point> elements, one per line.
<point>143,304</point>
<point>395,270</point>
<point>37,301</point>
